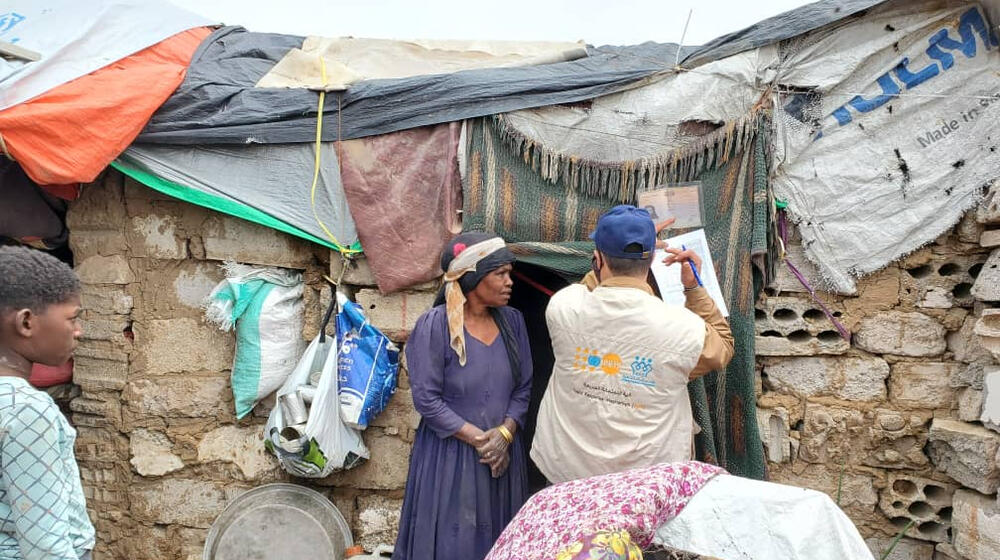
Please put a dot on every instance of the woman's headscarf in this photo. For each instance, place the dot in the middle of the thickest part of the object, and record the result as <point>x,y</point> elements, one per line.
<point>466,260</point>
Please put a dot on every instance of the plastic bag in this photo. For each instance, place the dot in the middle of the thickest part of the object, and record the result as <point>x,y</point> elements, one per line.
<point>265,305</point>
<point>327,444</point>
<point>368,363</point>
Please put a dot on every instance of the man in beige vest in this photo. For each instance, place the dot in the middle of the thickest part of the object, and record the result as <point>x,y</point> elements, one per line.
<point>617,398</point>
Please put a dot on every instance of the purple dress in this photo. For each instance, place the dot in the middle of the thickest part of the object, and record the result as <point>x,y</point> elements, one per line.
<point>453,508</point>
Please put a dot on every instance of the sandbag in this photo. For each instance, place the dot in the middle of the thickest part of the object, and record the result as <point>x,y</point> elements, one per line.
<point>265,305</point>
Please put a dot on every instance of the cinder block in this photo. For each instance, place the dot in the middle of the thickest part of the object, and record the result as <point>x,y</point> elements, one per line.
<point>941,282</point>
<point>790,326</point>
<point>925,502</point>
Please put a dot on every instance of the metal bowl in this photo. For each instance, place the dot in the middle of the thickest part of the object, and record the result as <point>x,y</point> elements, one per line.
<point>279,522</point>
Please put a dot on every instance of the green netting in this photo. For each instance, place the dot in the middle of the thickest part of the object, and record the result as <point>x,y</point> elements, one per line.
<point>547,217</point>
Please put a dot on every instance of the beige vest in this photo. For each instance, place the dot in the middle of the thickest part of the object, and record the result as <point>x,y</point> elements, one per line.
<point>618,396</point>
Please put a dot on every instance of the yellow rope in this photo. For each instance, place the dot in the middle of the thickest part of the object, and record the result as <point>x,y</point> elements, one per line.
<point>319,143</point>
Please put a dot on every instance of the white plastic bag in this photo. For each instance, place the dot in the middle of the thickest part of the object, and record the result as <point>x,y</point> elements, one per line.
<point>340,447</point>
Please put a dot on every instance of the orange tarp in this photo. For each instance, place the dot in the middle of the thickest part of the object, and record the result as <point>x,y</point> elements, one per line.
<point>71,133</point>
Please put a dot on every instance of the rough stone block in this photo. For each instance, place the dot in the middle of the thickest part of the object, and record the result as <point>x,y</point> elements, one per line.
<point>95,375</point>
<point>358,272</point>
<point>897,440</point>
<point>857,493</point>
<point>377,521</point>
<point>970,376</point>
<point>990,416</point>
<point>105,299</point>
<point>397,312</point>
<point>970,405</point>
<point>969,229</point>
<point>232,239</point>
<point>945,551</point>
<point>192,397</point>
<point>181,345</point>
<point>848,378</point>
<point>925,502</point>
<point>901,334</point>
<point>880,438</point>
<point>101,205</point>
<point>876,292</point>
<point>239,446</point>
<point>789,326</point>
<point>976,526</point>
<point>923,385</point>
<point>152,454</point>
<point>987,286</point>
<point>966,453</point>
<point>988,211</point>
<point>990,238</point>
<point>155,236</point>
<point>987,329</point>
<point>175,289</point>
<point>945,280</point>
<point>105,270</point>
<point>86,244</point>
<point>386,470</point>
<point>774,432</point>
<point>906,549</point>
<point>399,415</point>
<point>966,345</point>
<point>192,503</point>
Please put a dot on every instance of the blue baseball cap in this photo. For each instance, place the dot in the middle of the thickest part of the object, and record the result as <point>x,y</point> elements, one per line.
<point>622,226</point>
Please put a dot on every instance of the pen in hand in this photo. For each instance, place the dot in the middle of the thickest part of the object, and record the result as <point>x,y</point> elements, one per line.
<point>694,269</point>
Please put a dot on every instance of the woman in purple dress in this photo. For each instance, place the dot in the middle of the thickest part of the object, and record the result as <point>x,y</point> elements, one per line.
<point>470,370</point>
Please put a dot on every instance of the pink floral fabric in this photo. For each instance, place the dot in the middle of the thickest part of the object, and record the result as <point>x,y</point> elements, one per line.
<point>638,501</point>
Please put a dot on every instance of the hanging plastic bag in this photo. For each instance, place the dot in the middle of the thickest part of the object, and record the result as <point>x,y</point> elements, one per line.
<point>324,443</point>
<point>368,363</point>
<point>265,305</point>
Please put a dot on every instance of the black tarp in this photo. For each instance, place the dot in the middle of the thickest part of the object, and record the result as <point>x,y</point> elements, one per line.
<point>217,103</point>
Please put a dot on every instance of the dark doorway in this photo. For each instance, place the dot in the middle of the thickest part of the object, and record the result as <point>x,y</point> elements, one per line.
<point>533,286</point>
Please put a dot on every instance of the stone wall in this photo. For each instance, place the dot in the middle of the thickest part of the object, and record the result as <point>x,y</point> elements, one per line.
<point>906,412</point>
<point>160,450</point>
<point>899,422</point>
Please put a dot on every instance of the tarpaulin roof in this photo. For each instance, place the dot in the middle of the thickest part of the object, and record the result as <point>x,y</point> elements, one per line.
<point>218,103</point>
<point>778,28</point>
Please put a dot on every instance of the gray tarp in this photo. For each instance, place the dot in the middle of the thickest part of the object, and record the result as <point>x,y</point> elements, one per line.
<point>778,28</point>
<point>273,179</point>
<point>218,104</point>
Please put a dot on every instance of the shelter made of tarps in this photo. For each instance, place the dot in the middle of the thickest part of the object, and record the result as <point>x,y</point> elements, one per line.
<point>220,101</point>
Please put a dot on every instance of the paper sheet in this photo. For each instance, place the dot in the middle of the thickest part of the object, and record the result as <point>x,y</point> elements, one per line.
<point>668,278</point>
